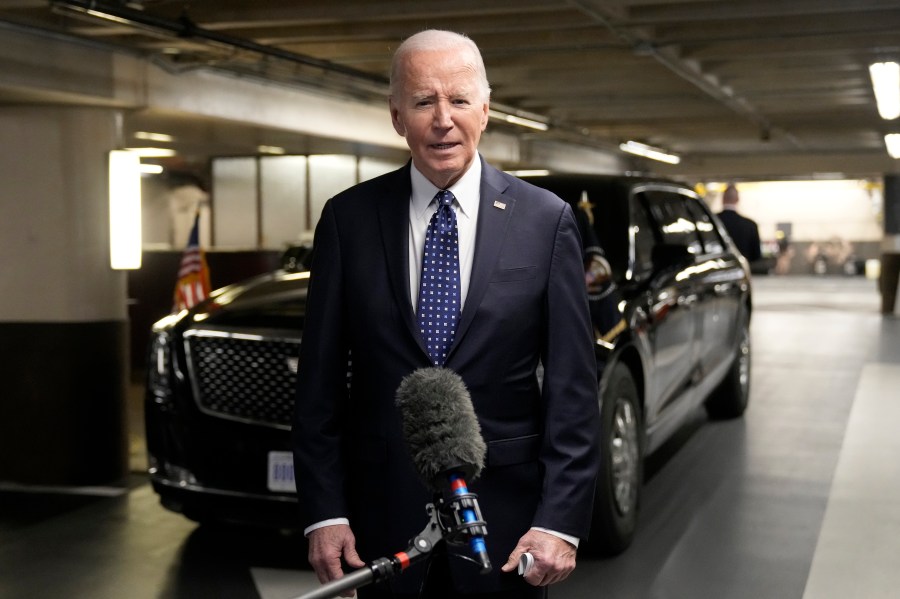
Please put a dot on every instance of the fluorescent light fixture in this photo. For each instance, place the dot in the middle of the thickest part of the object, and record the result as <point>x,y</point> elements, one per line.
<point>151,152</point>
<point>124,210</point>
<point>513,119</point>
<point>148,136</point>
<point>523,122</point>
<point>103,15</point>
<point>892,141</point>
<point>530,173</point>
<point>151,169</point>
<point>886,84</point>
<point>270,149</point>
<point>639,149</point>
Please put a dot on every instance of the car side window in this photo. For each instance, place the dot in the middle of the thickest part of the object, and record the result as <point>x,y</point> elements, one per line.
<point>709,235</point>
<point>675,222</point>
<point>642,230</point>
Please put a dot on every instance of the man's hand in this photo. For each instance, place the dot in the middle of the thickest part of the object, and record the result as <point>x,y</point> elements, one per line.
<point>554,558</point>
<point>326,547</point>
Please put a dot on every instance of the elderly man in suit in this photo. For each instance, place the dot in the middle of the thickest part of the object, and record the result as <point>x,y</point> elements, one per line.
<point>521,302</point>
<point>742,230</point>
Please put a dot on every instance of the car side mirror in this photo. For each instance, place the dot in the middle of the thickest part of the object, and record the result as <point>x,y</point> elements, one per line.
<point>666,255</point>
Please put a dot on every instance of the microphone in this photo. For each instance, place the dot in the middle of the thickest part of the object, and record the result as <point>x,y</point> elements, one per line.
<point>444,438</point>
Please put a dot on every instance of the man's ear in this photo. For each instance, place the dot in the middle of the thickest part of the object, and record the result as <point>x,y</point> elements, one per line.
<point>485,116</point>
<point>399,127</point>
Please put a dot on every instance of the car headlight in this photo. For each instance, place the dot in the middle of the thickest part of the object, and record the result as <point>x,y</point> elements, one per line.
<point>159,369</point>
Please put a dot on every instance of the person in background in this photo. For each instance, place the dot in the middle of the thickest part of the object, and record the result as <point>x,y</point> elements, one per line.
<point>516,297</point>
<point>743,231</point>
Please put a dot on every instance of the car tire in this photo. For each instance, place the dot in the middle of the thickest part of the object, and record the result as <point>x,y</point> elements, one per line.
<point>730,398</point>
<point>620,477</point>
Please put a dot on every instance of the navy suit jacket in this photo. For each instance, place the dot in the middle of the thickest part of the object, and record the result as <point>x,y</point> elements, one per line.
<point>526,303</point>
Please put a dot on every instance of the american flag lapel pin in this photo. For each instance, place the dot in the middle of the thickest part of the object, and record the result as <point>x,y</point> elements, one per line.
<point>499,204</point>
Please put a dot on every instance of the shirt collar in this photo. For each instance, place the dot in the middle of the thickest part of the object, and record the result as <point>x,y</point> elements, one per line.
<point>467,190</point>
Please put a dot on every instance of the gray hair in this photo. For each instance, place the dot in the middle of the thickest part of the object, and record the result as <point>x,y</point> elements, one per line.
<point>438,39</point>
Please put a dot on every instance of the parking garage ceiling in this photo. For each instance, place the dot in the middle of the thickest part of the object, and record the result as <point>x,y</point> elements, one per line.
<point>778,85</point>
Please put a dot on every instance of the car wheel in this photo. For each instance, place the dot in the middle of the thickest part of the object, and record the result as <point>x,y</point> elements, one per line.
<point>730,398</point>
<point>619,480</point>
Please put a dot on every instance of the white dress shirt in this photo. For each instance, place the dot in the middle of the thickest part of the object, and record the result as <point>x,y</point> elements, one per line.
<point>422,207</point>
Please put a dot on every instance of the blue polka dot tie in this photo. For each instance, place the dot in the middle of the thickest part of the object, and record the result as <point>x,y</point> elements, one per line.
<point>439,286</point>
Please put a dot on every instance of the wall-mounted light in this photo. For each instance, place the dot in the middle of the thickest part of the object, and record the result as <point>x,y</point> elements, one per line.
<point>892,141</point>
<point>886,84</point>
<point>639,149</point>
<point>124,210</point>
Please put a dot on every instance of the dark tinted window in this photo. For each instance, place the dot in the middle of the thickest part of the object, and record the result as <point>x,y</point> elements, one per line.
<point>676,224</point>
<point>603,201</point>
<point>709,235</point>
<point>644,237</point>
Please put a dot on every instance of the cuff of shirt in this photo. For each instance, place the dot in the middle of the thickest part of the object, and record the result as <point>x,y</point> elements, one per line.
<point>324,523</point>
<point>564,537</point>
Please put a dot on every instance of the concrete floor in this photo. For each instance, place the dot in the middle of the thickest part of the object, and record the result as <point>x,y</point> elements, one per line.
<point>800,499</point>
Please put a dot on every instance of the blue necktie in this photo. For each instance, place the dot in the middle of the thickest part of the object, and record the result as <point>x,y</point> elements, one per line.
<point>439,286</point>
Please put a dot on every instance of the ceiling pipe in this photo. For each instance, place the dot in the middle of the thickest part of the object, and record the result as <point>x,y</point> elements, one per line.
<point>186,29</point>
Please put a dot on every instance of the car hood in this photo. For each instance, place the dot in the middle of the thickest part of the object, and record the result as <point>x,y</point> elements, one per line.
<point>274,300</point>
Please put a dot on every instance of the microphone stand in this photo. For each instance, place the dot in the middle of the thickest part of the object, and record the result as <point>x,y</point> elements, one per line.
<point>437,529</point>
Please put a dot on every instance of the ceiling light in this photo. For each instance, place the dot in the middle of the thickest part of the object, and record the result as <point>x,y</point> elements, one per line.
<point>146,135</point>
<point>523,122</point>
<point>513,119</point>
<point>151,169</point>
<point>635,147</point>
<point>892,141</point>
<point>270,149</point>
<point>530,173</point>
<point>886,84</point>
<point>104,15</point>
<point>152,152</point>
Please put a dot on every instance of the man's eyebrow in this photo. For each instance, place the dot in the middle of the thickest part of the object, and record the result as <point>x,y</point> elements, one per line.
<point>462,92</point>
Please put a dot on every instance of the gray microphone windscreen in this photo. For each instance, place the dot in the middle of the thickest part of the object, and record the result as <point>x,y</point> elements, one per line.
<point>439,425</point>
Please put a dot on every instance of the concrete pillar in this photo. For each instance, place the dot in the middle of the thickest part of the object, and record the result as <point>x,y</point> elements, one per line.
<point>63,319</point>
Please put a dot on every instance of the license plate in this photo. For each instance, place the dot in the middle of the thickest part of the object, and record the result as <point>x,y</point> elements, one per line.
<point>281,471</point>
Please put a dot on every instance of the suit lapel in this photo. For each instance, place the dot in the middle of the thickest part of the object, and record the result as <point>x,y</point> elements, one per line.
<point>491,234</point>
<point>393,216</point>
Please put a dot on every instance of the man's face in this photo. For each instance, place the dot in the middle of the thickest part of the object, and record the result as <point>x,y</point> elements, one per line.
<point>440,111</point>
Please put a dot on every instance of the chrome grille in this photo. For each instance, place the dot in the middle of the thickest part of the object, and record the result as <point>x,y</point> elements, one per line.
<point>243,377</point>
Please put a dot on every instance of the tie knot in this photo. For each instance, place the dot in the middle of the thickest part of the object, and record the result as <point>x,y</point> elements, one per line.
<point>444,197</point>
